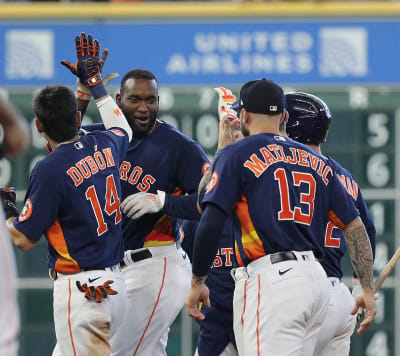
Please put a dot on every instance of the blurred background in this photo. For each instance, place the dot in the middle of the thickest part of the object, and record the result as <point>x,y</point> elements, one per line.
<point>348,53</point>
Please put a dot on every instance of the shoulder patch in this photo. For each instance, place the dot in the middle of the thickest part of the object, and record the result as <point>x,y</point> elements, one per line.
<point>26,211</point>
<point>212,183</point>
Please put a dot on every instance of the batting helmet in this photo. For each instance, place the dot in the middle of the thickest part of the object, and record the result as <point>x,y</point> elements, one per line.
<point>309,118</point>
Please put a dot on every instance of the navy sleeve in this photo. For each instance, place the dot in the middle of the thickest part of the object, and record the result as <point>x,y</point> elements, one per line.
<point>224,187</point>
<point>192,164</point>
<point>343,209</point>
<point>187,232</point>
<point>182,206</point>
<point>41,205</point>
<point>208,236</point>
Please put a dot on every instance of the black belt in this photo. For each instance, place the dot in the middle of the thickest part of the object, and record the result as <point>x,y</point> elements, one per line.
<point>282,256</point>
<point>138,256</point>
<point>85,269</point>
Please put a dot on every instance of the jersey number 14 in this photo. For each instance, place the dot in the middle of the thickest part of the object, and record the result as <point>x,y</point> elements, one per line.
<point>111,207</point>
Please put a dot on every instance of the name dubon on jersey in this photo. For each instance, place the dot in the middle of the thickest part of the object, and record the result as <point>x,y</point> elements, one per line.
<point>73,198</point>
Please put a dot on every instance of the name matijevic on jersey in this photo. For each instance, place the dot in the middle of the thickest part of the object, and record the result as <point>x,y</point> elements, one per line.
<point>90,165</point>
<point>272,154</point>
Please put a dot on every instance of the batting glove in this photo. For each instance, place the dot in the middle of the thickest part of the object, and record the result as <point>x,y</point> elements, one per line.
<point>82,91</point>
<point>88,67</point>
<point>97,293</point>
<point>139,204</point>
<point>8,198</point>
<point>226,99</point>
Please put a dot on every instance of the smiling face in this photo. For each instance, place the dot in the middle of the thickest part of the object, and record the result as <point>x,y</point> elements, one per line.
<point>139,103</point>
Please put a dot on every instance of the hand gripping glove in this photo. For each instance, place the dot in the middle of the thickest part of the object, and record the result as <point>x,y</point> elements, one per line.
<point>226,99</point>
<point>139,204</point>
<point>97,293</point>
<point>82,91</point>
<point>8,198</point>
<point>88,67</point>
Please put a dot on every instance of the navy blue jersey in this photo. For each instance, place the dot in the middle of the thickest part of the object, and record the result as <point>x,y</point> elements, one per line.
<point>165,160</point>
<point>334,240</point>
<point>219,279</point>
<point>73,198</point>
<point>283,194</point>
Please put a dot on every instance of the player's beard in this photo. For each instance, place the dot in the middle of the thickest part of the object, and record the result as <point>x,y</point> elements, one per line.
<point>243,128</point>
<point>139,130</point>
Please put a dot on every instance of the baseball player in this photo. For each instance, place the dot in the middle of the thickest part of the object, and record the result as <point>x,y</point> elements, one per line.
<point>16,141</point>
<point>160,167</point>
<point>309,121</point>
<point>216,330</point>
<point>73,199</point>
<point>283,193</point>
<point>9,312</point>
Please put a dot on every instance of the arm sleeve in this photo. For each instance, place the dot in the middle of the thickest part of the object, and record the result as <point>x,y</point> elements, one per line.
<point>191,167</point>
<point>342,208</point>
<point>112,116</point>
<point>41,206</point>
<point>182,206</point>
<point>186,235</point>
<point>207,239</point>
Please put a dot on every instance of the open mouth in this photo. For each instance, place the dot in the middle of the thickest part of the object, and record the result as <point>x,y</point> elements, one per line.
<point>142,121</point>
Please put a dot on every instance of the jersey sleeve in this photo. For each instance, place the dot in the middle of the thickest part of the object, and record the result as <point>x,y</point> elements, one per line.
<point>42,201</point>
<point>223,189</point>
<point>187,232</point>
<point>342,208</point>
<point>192,164</point>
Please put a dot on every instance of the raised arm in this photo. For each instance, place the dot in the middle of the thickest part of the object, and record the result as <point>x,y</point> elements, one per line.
<point>88,69</point>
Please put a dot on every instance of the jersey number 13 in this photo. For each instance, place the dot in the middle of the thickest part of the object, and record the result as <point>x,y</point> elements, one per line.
<point>307,198</point>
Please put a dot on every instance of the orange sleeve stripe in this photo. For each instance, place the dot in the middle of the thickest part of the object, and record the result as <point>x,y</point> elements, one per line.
<point>335,220</point>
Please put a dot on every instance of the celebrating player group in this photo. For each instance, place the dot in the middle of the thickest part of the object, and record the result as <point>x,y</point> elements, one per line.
<point>138,221</point>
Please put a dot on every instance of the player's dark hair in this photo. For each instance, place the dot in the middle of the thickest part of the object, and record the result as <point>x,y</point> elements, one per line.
<point>137,74</point>
<point>56,109</point>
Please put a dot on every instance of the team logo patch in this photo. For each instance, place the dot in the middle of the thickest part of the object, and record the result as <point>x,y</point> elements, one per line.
<point>205,167</point>
<point>117,132</point>
<point>213,182</point>
<point>26,211</point>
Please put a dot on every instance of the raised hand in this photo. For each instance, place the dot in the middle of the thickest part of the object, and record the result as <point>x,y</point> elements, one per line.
<point>88,66</point>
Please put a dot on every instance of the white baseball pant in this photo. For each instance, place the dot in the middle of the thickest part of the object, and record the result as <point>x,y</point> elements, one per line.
<point>157,287</point>
<point>338,324</point>
<point>9,311</point>
<point>85,327</point>
<point>228,351</point>
<point>279,307</point>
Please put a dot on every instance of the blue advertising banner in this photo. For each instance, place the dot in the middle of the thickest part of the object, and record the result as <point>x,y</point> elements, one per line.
<point>340,52</point>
